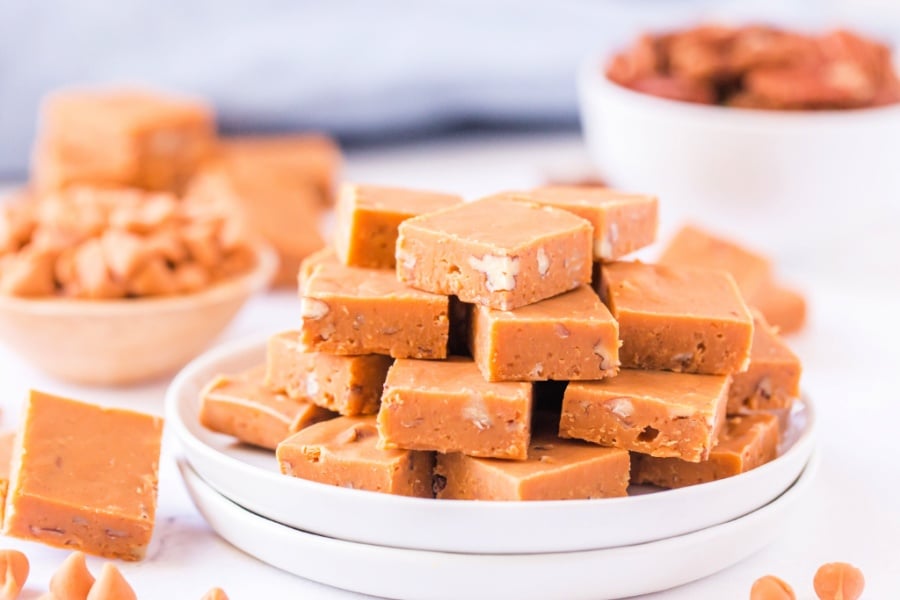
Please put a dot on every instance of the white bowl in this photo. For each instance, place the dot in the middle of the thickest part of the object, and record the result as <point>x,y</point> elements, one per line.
<point>758,168</point>
<point>250,477</point>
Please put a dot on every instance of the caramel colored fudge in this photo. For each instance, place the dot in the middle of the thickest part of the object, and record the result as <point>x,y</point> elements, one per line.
<point>84,477</point>
<point>349,310</point>
<point>555,469</point>
<point>678,318</point>
<point>127,137</point>
<point>349,385</point>
<point>447,406</point>
<point>772,380</point>
<point>653,412</point>
<point>243,406</point>
<point>367,218</point>
<point>345,452</point>
<point>622,222</point>
<point>7,443</point>
<point>497,252</point>
<point>746,442</point>
<point>782,307</point>
<point>570,336</point>
<point>309,264</point>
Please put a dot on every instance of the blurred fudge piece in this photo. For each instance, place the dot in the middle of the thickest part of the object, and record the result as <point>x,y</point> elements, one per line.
<point>243,406</point>
<point>350,310</point>
<point>622,222</point>
<point>678,318</point>
<point>497,252</point>
<point>772,381</point>
<point>84,477</point>
<point>345,452</point>
<point>367,218</point>
<point>652,412</point>
<point>129,137</point>
<point>746,442</point>
<point>567,337</point>
<point>447,406</point>
<point>784,308</point>
<point>349,385</point>
<point>555,469</point>
<point>7,444</point>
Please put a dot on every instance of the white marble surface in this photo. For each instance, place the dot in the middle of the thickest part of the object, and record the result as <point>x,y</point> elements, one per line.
<point>850,352</point>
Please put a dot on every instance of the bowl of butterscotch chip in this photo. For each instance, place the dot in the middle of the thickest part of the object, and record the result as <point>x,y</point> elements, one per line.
<point>755,119</point>
<point>114,285</point>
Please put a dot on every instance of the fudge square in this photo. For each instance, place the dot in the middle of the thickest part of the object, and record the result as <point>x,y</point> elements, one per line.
<point>772,381</point>
<point>570,336</point>
<point>367,218</point>
<point>447,406</point>
<point>349,310</point>
<point>84,477</point>
<point>344,452</point>
<point>746,442</point>
<point>622,222</point>
<point>243,407</point>
<point>555,469</point>
<point>652,412</point>
<point>497,252</point>
<point>678,318</point>
<point>132,137</point>
<point>349,385</point>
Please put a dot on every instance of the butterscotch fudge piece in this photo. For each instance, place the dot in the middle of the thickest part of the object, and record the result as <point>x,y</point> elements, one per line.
<point>678,318</point>
<point>652,412</point>
<point>367,218</point>
<point>555,469</point>
<point>746,442</point>
<point>349,385</point>
<point>125,137</point>
<point>7,443</point>
<point>243,406</point>
<point>622,222</point>
<point>84,477</point>
<point>782,307</point>
<point>497,252</point>
<point>350,310</point>
<point>447,406</point>
<point>326,255</point>
<point>345,452</point>
<point>772,381</point>
<point>570,336</point>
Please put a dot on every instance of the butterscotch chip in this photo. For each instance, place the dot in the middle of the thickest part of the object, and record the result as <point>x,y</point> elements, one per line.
<point>678,318</point>
<point>125,253</point>
<point>72,580</point>
<point>345,452</point>
<point>190,277</point>
<point>447,406</point>
<point>367,218</point>
<point>349,385</point>
<point>243,406</point>
<point>838,581</point>
<point>496,252</point>
<point>84,477</point>
<point>772,381</point>
<point>349,310</point>
<point>92,274</point>
<point>14,570</point>
<point>155,278</point>
<point>17,224</point>
<point>746,442</point>
<point>555,469</point>
<point>215,594</point>
<point>770,587</point>
<point>29,273</point>
<point>567,337</point>
<point>7,443</point>
<point>111,585</point>
<point>622,222</point>
<point>652,412</point>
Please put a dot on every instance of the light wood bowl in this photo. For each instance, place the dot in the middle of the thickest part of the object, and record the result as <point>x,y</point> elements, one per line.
<point>119,342</point>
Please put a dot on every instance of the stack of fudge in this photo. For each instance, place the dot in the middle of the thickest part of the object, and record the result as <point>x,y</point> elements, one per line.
<point>501,350</point>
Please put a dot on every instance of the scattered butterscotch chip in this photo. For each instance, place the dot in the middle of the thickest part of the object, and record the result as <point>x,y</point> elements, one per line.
<point>838,581</point>
<point>72,580</point>
<point>215,594</point>
<point>111,585</point>
<point>84,477</point>
<point>367,218</point>
<point>13,573</point>
<point>770,587</point>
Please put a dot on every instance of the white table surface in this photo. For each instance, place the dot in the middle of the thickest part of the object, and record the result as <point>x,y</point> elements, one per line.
<point>850,351</point>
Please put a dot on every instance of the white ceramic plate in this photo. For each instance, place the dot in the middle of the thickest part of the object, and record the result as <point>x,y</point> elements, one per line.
<point>250,477</point>
<point>399,573</point>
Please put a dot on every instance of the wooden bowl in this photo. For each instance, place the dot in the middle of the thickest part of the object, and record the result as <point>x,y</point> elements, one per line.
<point>118,342</point>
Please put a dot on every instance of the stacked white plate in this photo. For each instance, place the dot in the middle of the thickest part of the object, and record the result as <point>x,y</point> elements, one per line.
<point>399,547</point>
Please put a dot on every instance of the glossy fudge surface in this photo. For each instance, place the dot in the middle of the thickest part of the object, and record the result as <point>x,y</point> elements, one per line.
<point>497,252</point>
<point>772,381</point>
<point>678,318</point>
